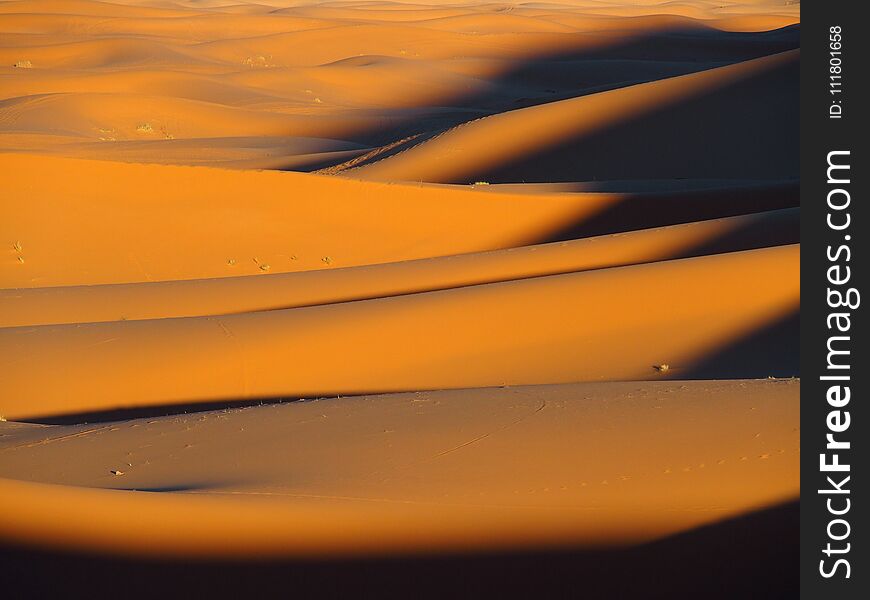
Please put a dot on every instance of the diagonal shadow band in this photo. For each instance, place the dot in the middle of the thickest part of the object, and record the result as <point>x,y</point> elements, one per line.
<point>582,64</point>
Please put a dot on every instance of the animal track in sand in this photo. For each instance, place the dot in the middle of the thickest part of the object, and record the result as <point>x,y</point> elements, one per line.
<point>261,266</point>
<point>258,61</point>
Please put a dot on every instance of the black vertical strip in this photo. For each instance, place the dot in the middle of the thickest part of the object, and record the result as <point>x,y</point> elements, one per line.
<point>834,262</point>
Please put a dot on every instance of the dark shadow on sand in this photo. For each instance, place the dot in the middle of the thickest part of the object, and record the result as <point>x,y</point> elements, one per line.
<point>770,351</point>
<point>649,210</point>
<point>551,76</point>
<point>748,557</point>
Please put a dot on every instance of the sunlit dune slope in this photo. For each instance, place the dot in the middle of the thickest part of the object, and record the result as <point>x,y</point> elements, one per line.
<point>465,469</point>
<point>601,325</point>
<point>96,222</point>
<point>226,295</point>
<point>124,223</point>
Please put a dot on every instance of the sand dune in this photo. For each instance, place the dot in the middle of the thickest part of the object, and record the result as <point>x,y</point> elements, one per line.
<point>278,71</point>
<point>602,325</point>
<point>221,296</point>
<point>189,223</point>
<point>497,148</point>
<point>549,249</point>
<point>405,478</point>
<point>95,238</point>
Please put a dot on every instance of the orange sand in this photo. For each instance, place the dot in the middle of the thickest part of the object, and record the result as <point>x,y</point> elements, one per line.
<point>469,469</point>
<point>206,203</point>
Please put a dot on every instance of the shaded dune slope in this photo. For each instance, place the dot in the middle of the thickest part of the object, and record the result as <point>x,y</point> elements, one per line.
<point>760,549</point>
<point>597,136</point>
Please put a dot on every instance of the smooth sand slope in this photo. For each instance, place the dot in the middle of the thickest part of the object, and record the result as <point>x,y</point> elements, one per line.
<point>535,261</point>
<point>188,223</point>
<point>614,323</point>
<point>229,295</point>
<point>465,469</point>
<point>562,141</point>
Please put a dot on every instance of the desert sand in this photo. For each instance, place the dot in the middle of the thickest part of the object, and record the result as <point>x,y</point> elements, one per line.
<point>358,280</point>
<point>381,473</point>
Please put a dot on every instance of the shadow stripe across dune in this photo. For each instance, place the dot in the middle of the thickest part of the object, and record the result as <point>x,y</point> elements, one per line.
<point>151,300</point>
<point>87,222</point>
<point>599,325</point>
<point>477,148</point>
<point>83,223</point>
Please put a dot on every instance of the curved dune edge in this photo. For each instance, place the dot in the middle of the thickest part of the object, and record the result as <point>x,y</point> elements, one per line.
<point>90,222</point>
<point>397,474</point>
<point>609,324</point>
<point>160,84</point>
<point>475,147</point>
<point>85,224</point>
<point>87,304</point>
